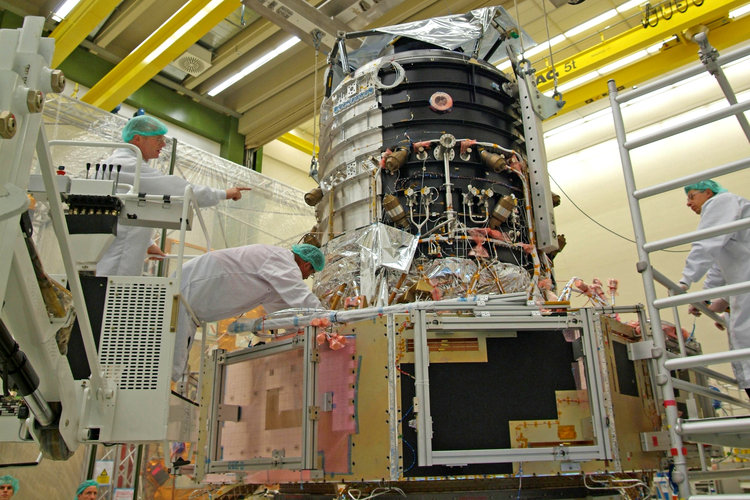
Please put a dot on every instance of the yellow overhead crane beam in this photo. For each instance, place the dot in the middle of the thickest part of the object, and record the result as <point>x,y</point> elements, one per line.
<point>671,57</point>
<point>183,29</point>
<point>77,25</point>
<point>672,18</point>
<point>298,143</point>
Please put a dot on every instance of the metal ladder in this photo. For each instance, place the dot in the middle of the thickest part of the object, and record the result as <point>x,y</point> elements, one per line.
<point>694,429</point>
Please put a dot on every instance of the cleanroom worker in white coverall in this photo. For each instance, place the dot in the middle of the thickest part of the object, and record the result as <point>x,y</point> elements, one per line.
<point>226,283</point>
<point>132,244</point>
<point>726,259</point>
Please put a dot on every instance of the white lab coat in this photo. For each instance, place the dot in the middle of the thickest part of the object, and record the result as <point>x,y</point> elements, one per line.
<point>225,283</point>
<point>126,254</point>
<point>730,255</point>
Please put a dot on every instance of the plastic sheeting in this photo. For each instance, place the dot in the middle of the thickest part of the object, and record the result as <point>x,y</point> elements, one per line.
<point>460,31</point>
<point>272,213</point>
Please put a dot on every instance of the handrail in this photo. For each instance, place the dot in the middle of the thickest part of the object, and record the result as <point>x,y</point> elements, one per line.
<point>709,293</point>
<point>707,359</point>
<point>708,393</point>
<point>675,288</point>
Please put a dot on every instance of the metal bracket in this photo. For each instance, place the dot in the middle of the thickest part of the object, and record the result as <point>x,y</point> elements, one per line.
<point>643,350</point>
<point>312,412</point>
<point>228,413</point>
<point>577,345</point>
<point>277,456</point>
<point>543,106</point>
<point>327,404</point>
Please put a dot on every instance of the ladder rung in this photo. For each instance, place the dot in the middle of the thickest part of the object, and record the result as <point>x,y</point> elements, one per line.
<point>710,293</point>
<point>727,168</point>
<point>701,234</point>
<point>689,125</point>
<point>680,76</point>
<point>706,359</point>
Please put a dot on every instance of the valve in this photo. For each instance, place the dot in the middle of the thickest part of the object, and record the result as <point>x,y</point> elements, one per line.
<point>502,210</point>
<point>395,211</point>
<point>394,160</point>
<point>314,196</point>
<point>493,160</point>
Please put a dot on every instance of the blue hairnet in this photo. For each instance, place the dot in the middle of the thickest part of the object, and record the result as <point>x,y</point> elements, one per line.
<point>11,481</point>
<point>85,485</point>
<point>311,254</point>
<point>703,185</point>
<point>143,125</point>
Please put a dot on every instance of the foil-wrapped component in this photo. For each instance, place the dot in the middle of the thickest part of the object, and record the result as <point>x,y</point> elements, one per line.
<point>359,260</point>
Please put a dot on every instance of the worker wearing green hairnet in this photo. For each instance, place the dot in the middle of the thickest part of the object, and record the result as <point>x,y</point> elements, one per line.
<point>723,259</point>
<point>87,490</point>
<point>8,487</point>
<point>126,254</point>
<point>226,283</point>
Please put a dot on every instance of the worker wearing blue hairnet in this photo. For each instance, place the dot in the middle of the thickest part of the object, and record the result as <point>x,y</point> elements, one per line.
<point>724,259</point>
<point>126,254</point>
<point>226,283</point>
<point>87,490</point>
<point>8,487</point>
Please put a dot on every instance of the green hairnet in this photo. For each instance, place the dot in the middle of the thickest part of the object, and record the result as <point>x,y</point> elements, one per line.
<point>311,254</point>
<point>11,481</point>
<point>703,185</point>
<point>143,125</point>
<point>86,484</point>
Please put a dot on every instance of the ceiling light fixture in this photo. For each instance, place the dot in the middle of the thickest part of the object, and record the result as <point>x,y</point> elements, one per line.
<point>629,59</point>
<point>174,37</point>
<point>741,11</point>
<point>591,23</point>
<point>544,46</point>
<point>60,14</point>
<point>504,64</point>
<point>632,4</point>
<point>253,66</point>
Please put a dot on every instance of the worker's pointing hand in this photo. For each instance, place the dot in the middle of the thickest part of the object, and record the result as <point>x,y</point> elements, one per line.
<point>235,193</point>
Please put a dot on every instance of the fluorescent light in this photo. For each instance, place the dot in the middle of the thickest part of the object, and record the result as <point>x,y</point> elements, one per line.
<point>631,58</point>
<point>543,46</point>
<point>578,81</point>
<point>591,23</point>
<point>182,30</point>
<point>64,9</point>
<point>606,112</point>
<point>632,4</point>
<point>253,66</point>
<point>734,14</point>
<point>504,65</point>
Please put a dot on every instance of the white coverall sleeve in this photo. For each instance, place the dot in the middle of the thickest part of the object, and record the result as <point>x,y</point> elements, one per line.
<point>206,196</point>
<point>714,278</point>
<point>717,210</point>
<point>285,279</point>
